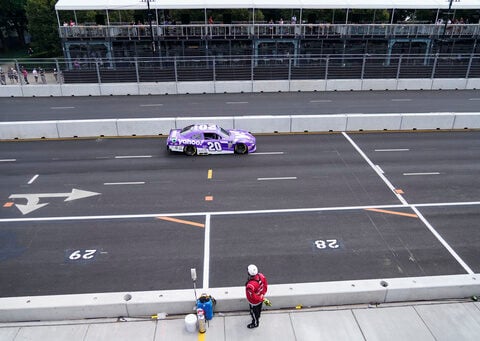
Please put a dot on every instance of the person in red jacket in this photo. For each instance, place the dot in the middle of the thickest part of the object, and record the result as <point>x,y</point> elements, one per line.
<point>255,289</point>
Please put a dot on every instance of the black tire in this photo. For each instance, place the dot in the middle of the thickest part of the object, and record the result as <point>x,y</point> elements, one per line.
<point>241,148</point>
<point>190,150</point>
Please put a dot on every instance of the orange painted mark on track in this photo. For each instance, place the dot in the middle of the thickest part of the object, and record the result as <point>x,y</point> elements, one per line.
<point>181,221</point>
<point>209,198</point>
<point>8,204</point>
<point>411,215</point>
<point>399,191</point>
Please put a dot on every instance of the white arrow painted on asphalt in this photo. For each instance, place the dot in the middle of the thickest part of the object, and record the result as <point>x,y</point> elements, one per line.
<point>33,199</point>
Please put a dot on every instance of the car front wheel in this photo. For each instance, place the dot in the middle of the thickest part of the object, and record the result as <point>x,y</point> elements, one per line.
<point>241,148</point>
<point>190,150</point>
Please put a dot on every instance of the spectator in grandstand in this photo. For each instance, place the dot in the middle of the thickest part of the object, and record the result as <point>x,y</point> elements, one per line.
<point>76,64</point>
<point>10,75</point>
<point>294,20</point>
<point>35,74</point>
<point>42,76</point>
<point>55,75</point>
<point>25,75</point>
<point>210,20</point>
<point>3,80</point>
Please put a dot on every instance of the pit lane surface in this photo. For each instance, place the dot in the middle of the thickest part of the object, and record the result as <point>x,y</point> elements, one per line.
<point>304,103</point>
<point>304,208</point>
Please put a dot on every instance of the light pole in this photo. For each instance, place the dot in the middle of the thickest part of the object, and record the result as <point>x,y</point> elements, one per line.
<point>446,21</point>
<point>149,15</point>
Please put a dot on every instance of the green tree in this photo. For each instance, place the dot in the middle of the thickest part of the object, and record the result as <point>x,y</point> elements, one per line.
<point>13,18</point>
<point>43,26</point>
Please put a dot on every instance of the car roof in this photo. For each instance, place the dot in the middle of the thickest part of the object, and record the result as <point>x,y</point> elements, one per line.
<point>204,128</point>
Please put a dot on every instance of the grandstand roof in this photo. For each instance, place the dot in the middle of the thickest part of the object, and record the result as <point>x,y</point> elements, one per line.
<point>63,5</point>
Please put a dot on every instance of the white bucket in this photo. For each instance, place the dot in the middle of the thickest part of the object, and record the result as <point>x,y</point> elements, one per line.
<point>191,323</point>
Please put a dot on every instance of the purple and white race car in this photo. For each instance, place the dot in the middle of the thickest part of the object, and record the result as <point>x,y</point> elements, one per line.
<point>203,139</point>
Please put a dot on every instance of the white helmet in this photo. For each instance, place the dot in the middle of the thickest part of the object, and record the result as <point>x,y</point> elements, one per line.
<point>252,270</point>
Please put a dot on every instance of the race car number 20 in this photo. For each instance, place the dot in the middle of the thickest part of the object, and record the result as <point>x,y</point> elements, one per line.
<point>214,146</point>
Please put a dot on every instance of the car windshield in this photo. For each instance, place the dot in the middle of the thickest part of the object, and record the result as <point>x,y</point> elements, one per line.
<point>187,128</point>
<point>226,133</point>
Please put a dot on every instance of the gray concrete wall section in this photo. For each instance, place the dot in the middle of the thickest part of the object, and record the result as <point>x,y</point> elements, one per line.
<point>149,303</point>
<point>209,87</point>
<point>254,124</point>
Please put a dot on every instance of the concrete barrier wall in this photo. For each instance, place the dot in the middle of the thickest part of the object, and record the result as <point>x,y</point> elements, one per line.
<point>263,124</point>
<point>284,296</point>
<point>359,122</point>
<point>209,87</point>
<point>145,126</point>
<point>318,123</point>
<point>427,121</point>
<point>254,124</point>
<point>226,122</point>
<point>466,121</point>
<point>28,130</point>
<point>87,128</point>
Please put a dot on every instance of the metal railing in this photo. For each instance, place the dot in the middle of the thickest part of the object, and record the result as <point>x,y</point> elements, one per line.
<point>233,31</point>
<point>234,68</point>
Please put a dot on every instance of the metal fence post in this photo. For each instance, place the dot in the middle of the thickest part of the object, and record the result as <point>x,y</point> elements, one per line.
<point>434,67</point>
<point>363,68</point>
<point>58,77</point>
<point>176,74</point>
<point>289,71</point>
<point>214,75</point>
<point>19,75</point>
<point>136,70</point>
<point>326,67</point>
<point>399,67</point>
<point>98,78</point>
<point>469,66</point>
<point>98,73</point>
<point>251,69</point>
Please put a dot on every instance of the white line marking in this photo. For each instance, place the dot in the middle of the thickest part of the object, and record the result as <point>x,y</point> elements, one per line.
<point>442,241</point>
<point>124,183</point>
<point>55,108</point>
<point>236,102</point>
<point>422,218</point>
<point>33,179</point>
<point>206,253</point>
<point>380,169</point>
<point>401,100</point>
<point>283,178</point>
<point>8,160</point>
<point>269,153</point>
<point>429,173</point>
<point>222,213</point>
<point>393,150</point>
<point>474,99</point>
<point>151,105</point>
<point>387,182</point>
<point>101,157</point>
<point>321,101</point>
<point>132,156</point>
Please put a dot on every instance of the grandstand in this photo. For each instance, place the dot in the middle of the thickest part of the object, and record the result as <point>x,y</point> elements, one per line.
<point>106,29</point>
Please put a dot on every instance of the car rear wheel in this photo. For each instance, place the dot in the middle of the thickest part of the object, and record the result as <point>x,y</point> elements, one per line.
<point>241,148</point>
<point>190,150</point>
